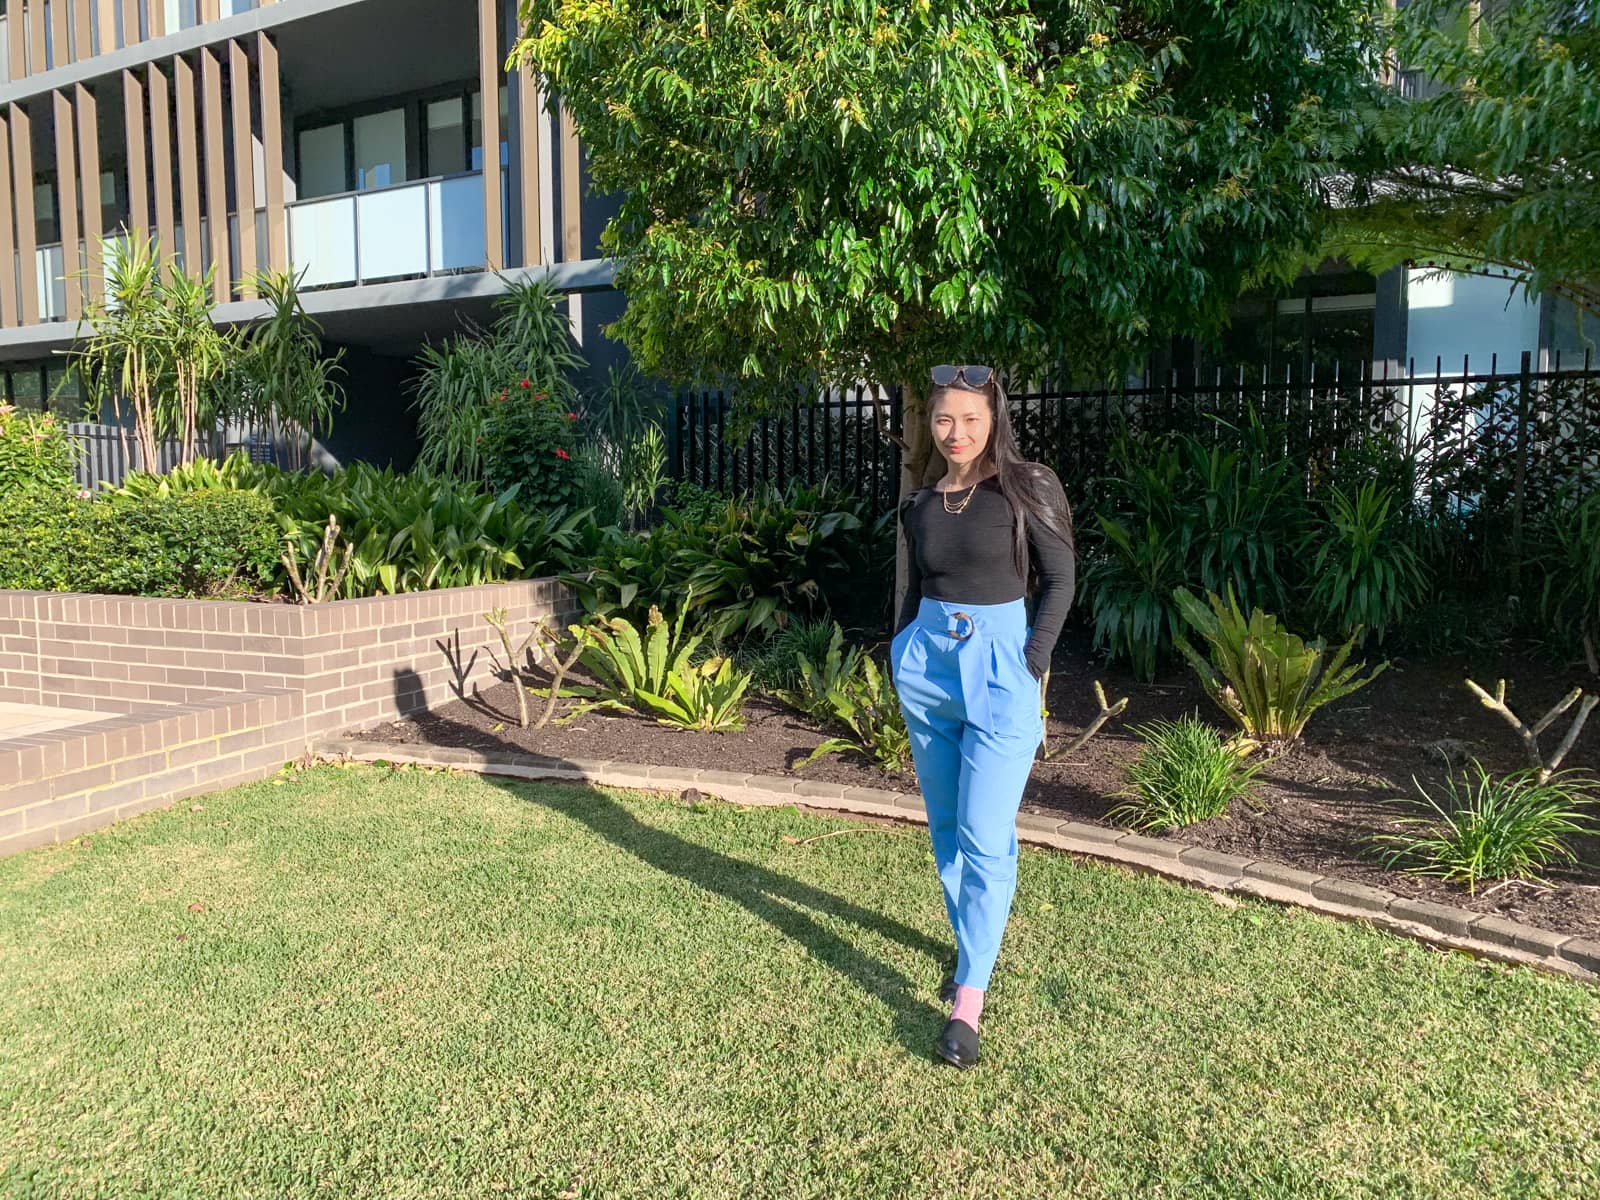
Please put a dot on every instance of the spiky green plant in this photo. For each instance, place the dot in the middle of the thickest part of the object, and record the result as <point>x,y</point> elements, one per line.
<point>1365,575</point>
<point>1267,680</point>
<point>847,689</point>
<point>706,696</point>
<point>821,678</point>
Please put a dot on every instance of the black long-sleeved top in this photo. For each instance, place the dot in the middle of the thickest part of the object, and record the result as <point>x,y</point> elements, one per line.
<point>968,558</point>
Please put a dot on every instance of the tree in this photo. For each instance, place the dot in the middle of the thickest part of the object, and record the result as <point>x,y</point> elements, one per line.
<point>836,190</point>
<point>1498,168</point>
<point>281,376</point>
<point>152,343</point>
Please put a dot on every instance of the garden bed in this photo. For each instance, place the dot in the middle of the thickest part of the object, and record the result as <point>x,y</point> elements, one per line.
<point>1316,807</point>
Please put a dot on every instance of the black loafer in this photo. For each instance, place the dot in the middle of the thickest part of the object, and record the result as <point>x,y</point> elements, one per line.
<point>947,989</point>
<point>958,1044</point>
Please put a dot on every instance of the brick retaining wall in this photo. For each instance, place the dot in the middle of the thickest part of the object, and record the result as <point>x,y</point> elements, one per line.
<point>202,694</point>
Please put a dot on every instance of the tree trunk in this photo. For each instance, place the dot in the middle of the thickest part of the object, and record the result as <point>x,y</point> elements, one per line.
<point>915,459</point>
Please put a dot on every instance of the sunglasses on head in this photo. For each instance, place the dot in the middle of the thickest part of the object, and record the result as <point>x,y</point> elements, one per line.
<point>971,375</point>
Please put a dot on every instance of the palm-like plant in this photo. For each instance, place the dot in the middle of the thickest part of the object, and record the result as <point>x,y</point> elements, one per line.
<point>1365,575</point>
<point>152,343</point>
<point>118,358</point>
<point>281,376</point>
<point>193,353</point>
<point>1266,679</point>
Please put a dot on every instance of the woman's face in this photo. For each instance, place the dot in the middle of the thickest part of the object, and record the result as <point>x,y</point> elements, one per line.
<point>961,424</point>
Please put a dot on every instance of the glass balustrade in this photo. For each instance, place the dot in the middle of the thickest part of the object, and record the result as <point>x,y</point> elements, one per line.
<point>427,227</point>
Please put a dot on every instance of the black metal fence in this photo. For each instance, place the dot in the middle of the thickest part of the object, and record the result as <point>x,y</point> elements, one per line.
<point>1473,437</point>
<point>838,438</point>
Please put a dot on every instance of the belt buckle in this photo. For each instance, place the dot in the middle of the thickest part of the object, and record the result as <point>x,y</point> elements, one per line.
<point>971,626</point>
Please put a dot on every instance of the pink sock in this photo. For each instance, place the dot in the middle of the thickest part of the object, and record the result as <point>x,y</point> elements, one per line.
<point>969,1005</point>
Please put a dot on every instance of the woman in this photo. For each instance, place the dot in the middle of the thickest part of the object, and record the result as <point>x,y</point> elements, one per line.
<point>968,667</point>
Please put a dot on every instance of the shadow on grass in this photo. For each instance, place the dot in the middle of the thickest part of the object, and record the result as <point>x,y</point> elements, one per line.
<point>769,895</point>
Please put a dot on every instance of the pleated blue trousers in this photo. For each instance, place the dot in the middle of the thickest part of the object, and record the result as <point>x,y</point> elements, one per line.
<point>972,708</point>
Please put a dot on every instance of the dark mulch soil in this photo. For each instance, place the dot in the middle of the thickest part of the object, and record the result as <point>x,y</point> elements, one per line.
<point>1316,807</point>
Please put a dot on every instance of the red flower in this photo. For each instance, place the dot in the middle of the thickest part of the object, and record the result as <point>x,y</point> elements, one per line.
<point>572,416</point>
<point>562,454</point>
<point>502,394</point>
<point>525,384</point>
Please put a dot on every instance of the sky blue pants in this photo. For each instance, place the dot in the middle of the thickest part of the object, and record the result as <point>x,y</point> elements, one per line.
<point>972,708</point>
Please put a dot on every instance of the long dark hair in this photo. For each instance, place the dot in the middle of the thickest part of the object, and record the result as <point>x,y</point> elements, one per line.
<point>1032,489</point>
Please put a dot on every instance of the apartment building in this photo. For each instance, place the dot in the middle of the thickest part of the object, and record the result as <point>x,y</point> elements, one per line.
<point>345,139</point>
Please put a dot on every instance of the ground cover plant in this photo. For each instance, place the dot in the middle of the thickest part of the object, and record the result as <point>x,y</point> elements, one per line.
<point>1185,772</point>
<point>465,987</point>
<point>1489,827</point>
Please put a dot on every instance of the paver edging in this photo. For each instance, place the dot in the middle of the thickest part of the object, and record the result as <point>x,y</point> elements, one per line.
<point>1486,935</point>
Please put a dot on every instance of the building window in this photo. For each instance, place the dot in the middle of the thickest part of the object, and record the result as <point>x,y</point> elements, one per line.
<point>380,144</point>
<point>445,150</point>
<point>46,229</point>
<point>27,388</point>
<point>63,392</point>
<point>1324,325</point>
<point>181,14</point>
<point>477,129</point>
<point>322,167</point>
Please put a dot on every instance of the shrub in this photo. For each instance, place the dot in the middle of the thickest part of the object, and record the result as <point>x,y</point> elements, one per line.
<point>530,442</point>
<point>39,540</point>
<point>1365,575</point>
<point>1185,772</point>
<point>694,503</point>
<point>462,379</point>
<point>1492,828</point>
<point>1568,556</point>
<point>849,690</point>
<point>37,454</point>
<point>420,531</point>
<point>202,543</point>
<point>1182,512</point>
<point>1266,679</point>
<point>752,564</point>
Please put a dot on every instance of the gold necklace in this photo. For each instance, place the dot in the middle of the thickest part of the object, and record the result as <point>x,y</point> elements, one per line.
<point>961,507</point>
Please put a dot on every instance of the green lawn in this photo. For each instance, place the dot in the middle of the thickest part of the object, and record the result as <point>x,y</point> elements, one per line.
<point>405,983</point>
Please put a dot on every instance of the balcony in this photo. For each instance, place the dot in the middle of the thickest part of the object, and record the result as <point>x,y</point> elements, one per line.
<point>408,230</point>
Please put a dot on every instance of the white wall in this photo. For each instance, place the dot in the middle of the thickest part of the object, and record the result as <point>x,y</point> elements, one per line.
<point>1449,315</point>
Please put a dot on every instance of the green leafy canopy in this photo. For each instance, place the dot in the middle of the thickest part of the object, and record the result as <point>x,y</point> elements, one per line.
<point>1492,165</point>
<point>851,190</point>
